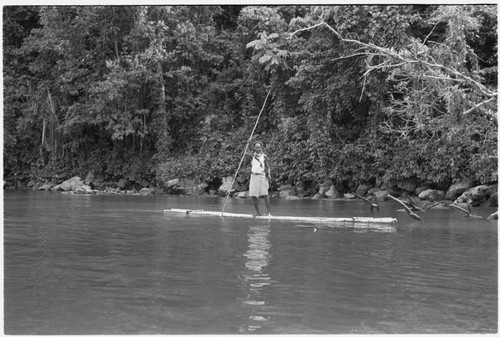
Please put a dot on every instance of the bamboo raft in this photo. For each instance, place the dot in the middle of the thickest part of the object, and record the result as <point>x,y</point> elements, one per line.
<point>324,220</point>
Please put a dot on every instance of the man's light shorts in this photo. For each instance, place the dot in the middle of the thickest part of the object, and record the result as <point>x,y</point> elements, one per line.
<point>258,185</point>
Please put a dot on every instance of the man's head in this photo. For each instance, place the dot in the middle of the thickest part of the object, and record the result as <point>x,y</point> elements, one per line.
<point>257,146</point>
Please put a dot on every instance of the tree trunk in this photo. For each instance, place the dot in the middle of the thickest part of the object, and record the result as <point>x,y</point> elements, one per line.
<point>115,36</point>
<point>43,131</point>
<point>162,90</point>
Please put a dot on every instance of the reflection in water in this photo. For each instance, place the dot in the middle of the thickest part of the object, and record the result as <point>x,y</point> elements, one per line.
<point>256,278</point>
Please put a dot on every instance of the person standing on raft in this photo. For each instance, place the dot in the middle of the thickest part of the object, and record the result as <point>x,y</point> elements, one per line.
<point>259,181</point>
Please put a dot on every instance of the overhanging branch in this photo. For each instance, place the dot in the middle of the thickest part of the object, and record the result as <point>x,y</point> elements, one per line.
<point>402,60</point>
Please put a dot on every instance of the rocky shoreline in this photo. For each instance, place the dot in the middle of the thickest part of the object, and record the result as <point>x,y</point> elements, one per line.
<point>459,193</point>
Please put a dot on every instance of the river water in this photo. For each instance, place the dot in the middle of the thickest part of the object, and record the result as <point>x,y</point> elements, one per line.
<point>96,264</point>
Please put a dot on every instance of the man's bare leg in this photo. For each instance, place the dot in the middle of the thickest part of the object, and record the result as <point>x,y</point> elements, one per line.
<point>266,199</point>
<point>256,205</point>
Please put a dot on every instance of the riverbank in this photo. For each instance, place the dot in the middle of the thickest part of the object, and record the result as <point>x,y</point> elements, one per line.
<point>464,193</point>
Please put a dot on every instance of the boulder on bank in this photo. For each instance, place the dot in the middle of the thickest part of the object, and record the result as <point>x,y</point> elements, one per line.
<point>432,195</point>
<point>47,186</point>
<point>392,188</point>
<point>363,189</point>
<point>147,191</point>
<point>143,183</point>
<point>292,197</point>
<point>372,190</point>
<point>171,186</point>
<point>227,186</point>
<point>332,193</point>
<point>324,187</point>
<point>90,178</point>
<point>274,195</point>
<point>476,195</point>
<point>83,189</point>
<point>457,189</point>
<point>131,177</point>
<point>300,187</point>
<point>381,195</point>
<point>285,187</point>
<point>420,189</point>
<point>317,196</point>
<point>123,183</point>
<point>69,185</point>
<point>243,195</point>
<point>192,187</point>
<point>172,183</point>
<point>339,186</point>
<point>111,190</point>
<point>407,185</point>
<point>96,181</point>
<point>285,194</point>
<point>494,199</point>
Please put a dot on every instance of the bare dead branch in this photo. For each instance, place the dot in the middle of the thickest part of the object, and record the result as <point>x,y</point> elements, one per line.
<point>394,59</point>
<point>363,89</point>
<point>383,65</point>
<point>481,87</point>
<point>353,55</point>
<point>432,30</point>
<point>404,60</point>
<point>478,105</point>
<point>306,28</point>
<point>444,78</point>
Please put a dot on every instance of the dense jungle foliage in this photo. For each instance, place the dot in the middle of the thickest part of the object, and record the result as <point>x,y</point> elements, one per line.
<point>358,93</point>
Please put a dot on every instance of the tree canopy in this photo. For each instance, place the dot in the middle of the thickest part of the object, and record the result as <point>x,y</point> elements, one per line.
<point>358,93</point>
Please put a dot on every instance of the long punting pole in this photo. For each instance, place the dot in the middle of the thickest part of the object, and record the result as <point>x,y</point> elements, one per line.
<point>246,148</point>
